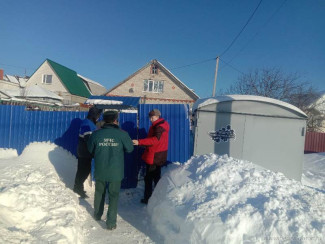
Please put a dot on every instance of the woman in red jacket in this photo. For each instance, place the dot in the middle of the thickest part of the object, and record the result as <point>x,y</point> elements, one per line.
<point>155,154</point>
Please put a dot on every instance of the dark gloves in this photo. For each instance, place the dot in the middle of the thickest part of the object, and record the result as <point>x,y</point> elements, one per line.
<point>152,167</point>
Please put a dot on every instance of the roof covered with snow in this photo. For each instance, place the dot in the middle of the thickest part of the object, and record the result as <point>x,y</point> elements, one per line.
<point>17,80</point>
<point>33,91</point>
<point>90,81</point>
<point>220,99</point>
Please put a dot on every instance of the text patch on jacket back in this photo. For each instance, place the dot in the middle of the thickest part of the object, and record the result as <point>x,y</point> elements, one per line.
<point>108,142</point>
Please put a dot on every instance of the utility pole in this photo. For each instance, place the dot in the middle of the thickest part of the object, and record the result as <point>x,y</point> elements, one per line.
<point>215,78</point>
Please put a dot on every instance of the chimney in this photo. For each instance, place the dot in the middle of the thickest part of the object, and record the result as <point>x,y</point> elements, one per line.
<point>1,74</point>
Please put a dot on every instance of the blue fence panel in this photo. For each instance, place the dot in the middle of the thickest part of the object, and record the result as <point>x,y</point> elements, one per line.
<point>11,118</point>
<point>177,115</point>
<point>18,124</point>
<point>66,129</point>
<point>19,127</point>
<point>4,129</point>
<point>128,122</point>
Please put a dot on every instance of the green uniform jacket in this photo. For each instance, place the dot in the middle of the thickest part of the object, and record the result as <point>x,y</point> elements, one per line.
<point>107,146</point>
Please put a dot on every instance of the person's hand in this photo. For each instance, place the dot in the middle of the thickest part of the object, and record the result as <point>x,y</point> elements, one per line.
<point>135,142</point>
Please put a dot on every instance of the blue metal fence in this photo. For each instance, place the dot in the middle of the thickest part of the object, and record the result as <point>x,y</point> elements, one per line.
<point>19,127</point>
<point>177,115</point>
<point>128,122</point>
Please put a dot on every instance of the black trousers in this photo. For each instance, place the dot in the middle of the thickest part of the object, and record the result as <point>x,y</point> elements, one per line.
<point>84,168</point>
<point>153,173</point>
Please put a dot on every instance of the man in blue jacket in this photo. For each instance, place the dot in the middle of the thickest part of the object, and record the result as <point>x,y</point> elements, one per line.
<point>87,126</point>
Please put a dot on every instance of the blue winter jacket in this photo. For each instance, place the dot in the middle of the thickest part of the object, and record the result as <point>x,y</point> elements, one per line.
<point>86,128</point>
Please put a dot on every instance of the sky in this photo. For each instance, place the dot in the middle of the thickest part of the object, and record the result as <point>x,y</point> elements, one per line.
<point>209,199</point>
<point>107,41</point>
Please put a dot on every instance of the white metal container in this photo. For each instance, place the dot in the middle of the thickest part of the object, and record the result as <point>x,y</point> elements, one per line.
<point>265,131</point>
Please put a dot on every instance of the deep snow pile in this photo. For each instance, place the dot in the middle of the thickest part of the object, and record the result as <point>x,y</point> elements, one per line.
<point>210,199</point>
<point>214,199</point>
<point>35,205</point>
<point>8,153</point>
<point>314,172</point>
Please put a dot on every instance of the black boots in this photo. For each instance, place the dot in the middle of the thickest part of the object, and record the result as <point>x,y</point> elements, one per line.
<point>144,201</point>
<point>81,193</point>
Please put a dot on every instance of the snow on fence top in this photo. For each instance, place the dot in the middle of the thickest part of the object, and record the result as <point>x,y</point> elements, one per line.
<point>103,102</point>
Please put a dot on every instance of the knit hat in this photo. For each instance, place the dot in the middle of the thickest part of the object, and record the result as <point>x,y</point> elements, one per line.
<point>110,116</point>
<point>154,112</point>
<point>94,113</point>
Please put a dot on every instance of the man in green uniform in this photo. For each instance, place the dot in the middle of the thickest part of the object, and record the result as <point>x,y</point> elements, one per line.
<point>107,146</point>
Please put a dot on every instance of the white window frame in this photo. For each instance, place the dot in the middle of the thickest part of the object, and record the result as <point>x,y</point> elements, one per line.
<point>47,79</point>
<point>161,86</point>
<point>154,86</point>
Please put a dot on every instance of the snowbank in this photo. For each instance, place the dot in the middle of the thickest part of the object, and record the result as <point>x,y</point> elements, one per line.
<point>8,153</point>
<point>214,199</point>
<point>314,171</point>
<point>210,199</point>
<point>35,205</point>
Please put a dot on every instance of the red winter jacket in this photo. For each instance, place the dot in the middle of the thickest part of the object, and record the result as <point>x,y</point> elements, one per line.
<point>156,143</point>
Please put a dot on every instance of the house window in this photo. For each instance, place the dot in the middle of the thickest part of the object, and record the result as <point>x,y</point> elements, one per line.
<point>153,86</point>
<point>154,69</point>
<point>158,86</point>
<point>47,79</point>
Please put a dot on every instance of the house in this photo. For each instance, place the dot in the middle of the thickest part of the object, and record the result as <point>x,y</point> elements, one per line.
<point>154,84</point>
<point>95,88</point>
<point>65,82</point>
<point>32,96</point>
<point>11,82</point>
<point>13,90</point>
<point>317,114</point>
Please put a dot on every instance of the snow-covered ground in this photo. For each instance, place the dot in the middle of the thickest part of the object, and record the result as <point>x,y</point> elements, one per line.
<point>210,199</point>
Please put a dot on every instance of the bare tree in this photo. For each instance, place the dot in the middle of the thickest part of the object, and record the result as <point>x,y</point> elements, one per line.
<point>276,84</point>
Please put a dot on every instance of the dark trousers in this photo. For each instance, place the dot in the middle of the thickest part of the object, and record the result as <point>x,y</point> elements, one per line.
<point>99,201</point>
<point>84,167</point>
<point>153,173</point>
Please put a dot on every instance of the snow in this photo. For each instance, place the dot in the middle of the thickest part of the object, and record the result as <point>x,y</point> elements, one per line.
<point>212,100</point>
<point>33,91</point>
<point>103,102</point>
<point>314,171</point>
<point>37,91</point>
<point>320,103</point>
<point>90,81</point>
<point>217,199</point>
<point>209,199</point>
<point>17,80</point>
<point>12,79</point>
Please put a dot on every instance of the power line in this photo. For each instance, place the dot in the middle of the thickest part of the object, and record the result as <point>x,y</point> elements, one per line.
<point>200,62</point>
<point>231,66</point>
<point>249,19</point>
<point>15,66</point>
<point>207,60</point>
<point>262,26</point>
